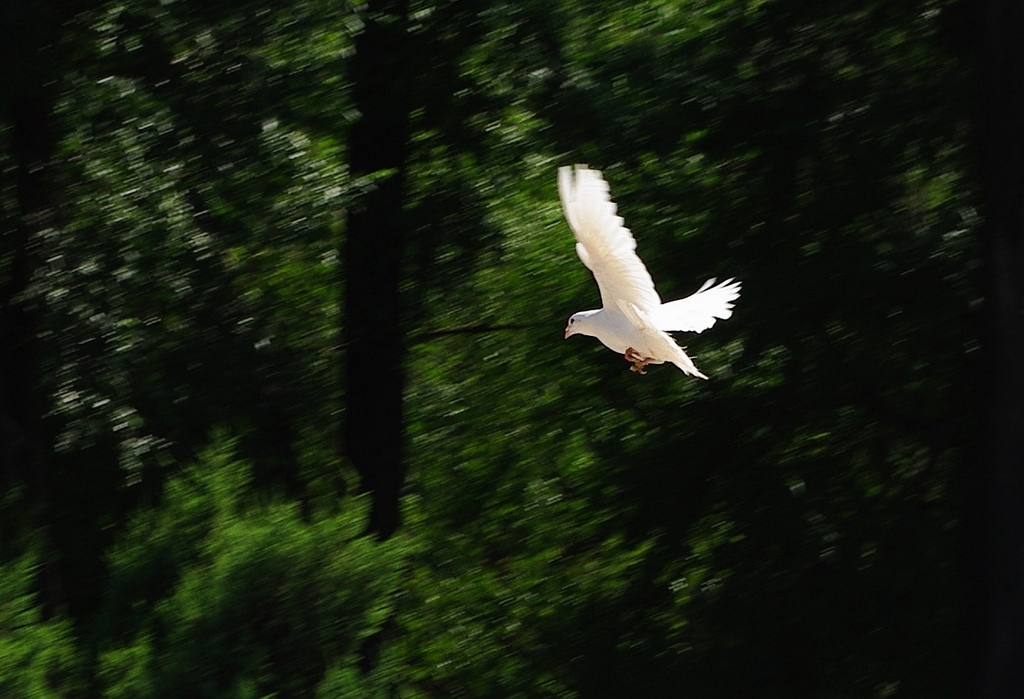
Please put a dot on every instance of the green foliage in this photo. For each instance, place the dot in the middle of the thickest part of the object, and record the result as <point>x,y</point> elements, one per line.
<point>39,657</point>
<point>202,209</point>
<point>788,528</point>
<point>220,592</point>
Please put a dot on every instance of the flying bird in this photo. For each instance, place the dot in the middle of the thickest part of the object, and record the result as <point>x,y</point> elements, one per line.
<point>632,321</point>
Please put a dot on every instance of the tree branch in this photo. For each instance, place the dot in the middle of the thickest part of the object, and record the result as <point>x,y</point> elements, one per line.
<point>470,330</point>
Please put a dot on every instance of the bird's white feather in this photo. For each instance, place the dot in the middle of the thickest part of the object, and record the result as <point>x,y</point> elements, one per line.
<point>633,320</point>
<point>657,343</point>
<point>604,244</point>
<point>698,312</point>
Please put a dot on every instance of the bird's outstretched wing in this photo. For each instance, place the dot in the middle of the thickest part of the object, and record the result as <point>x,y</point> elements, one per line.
<point>603,243</point>
<point>698,312</point>
<point>659,342</point>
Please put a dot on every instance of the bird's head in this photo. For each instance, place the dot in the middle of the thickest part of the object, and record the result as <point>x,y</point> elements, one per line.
<point>579,324</point>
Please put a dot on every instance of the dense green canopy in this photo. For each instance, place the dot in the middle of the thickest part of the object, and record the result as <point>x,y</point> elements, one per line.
<point>285,409</point>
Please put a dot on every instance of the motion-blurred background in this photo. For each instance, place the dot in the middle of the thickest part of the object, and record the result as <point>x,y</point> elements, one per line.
<point>285,408</point>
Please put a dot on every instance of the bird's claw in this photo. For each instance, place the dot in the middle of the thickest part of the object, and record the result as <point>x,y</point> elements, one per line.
<point>639,361</point>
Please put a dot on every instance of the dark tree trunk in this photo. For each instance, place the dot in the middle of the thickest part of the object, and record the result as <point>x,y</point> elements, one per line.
<point>28,112</point>
<point>373,253</point>
<point>23,450</point>
<point>999,515</point>
<point>28,60</point>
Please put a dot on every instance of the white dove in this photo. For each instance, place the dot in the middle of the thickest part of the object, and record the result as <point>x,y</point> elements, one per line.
<point>633,321</point>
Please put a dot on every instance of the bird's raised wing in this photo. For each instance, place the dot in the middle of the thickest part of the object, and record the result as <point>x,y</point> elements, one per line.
<point>698,312</point>
<point>603,243</point>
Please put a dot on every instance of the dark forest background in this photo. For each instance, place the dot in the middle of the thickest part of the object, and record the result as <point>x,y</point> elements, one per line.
<point>285,409</point>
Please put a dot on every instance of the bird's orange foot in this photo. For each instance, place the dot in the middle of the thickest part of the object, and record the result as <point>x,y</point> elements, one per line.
<point>639,361</point>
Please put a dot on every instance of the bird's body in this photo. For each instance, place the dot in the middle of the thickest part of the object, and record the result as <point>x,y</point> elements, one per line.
<point>613,330</point>
<point>633,321</point>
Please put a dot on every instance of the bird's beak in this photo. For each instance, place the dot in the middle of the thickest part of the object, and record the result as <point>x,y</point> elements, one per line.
<point>568,331</point>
